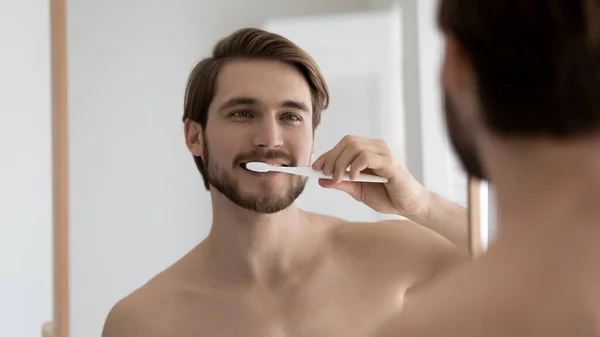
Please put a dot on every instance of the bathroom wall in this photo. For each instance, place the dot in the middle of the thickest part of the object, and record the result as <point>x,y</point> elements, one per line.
<point>25,168</point>
<point>429,155</point>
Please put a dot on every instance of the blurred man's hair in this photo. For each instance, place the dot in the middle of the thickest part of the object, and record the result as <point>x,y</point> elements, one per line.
<point>249,43</point>
<point>536,62</point>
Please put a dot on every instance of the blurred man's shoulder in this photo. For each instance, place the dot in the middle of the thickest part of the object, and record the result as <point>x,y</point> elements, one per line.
<point>502,293</point>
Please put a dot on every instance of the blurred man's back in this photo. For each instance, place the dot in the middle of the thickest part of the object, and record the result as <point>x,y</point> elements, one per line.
<point>522,84</point>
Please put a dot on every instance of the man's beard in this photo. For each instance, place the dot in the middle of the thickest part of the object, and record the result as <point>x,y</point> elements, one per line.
<point>221,180</point>
<point>463,144</point>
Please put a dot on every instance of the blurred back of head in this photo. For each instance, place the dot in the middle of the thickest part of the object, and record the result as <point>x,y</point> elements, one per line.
<point>536,63</point>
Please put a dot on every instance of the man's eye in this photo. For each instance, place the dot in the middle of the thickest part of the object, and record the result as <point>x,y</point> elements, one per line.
<point>243,113</point>
<point>292,117</point>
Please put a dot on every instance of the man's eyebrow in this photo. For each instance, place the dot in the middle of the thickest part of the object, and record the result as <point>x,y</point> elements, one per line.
<point>238,101</point>
<point>253,101</point>
<point>295,105</point>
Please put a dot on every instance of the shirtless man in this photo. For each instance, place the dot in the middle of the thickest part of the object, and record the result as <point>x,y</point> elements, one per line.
<point>268,268</point>
<point>522,83</point>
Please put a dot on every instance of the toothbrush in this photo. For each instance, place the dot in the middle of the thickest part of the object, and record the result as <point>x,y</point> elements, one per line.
<point>309,172</point>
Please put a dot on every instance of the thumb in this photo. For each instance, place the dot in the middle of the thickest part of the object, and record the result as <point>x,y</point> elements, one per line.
<point>352,188</point>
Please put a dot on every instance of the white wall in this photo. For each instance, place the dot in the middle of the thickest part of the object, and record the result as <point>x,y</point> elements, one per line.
<point>137,200</point>
<point>429,156</point>
<point>410,70</point>
<point>25,168</point>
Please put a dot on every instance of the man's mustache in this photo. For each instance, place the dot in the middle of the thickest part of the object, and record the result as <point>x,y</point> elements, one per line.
<point>264,154</point>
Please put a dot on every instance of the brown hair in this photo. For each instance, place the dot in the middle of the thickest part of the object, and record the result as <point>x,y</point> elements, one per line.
<point>249,43</point>
<point>537,62</point>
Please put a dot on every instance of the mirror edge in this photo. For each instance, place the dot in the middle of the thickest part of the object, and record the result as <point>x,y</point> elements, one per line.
<point>60,175</point>
<point>59,97</point>
<point>474,221</point>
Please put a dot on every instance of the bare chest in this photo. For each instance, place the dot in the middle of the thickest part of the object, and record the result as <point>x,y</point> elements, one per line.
<point>327,306</point>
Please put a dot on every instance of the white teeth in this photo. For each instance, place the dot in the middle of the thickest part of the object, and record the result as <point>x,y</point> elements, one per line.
<point>273,164</point>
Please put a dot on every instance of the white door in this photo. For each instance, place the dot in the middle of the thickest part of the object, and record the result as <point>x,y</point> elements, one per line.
<point>360,57</point>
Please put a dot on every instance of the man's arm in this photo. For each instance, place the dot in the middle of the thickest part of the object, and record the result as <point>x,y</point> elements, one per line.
<point>446,218</point>
<point>410,248</point>
<point>402,194</point>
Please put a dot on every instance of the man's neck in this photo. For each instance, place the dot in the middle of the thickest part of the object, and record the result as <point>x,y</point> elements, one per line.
<point>251,248</point>
<point>548,193</point>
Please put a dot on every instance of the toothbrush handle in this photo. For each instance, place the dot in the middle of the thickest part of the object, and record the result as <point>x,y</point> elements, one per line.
<point>362,177</point>
<point>367,178</point>
<point>309,172</point>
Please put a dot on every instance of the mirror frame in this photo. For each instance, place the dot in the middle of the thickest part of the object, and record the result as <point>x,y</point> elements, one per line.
<point>60,167</point>
<point>475,216</point>
<point>60,176</point>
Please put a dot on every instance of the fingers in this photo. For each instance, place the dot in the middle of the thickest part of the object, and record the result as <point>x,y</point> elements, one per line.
<point>361,163</point>
<point>368,162</point>
<point>326,162</point>
<point>331,157</point>
<point>353,189</point>
<point>354,152</point>
<point>345,159</point>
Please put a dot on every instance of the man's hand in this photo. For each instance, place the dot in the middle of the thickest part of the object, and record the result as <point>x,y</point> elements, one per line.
<point>402,194</point>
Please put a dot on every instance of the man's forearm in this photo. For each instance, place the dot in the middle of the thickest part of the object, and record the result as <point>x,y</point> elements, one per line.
<point>445,218</point>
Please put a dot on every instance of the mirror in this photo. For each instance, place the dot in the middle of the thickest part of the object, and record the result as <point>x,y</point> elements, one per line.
<point>128,198</point>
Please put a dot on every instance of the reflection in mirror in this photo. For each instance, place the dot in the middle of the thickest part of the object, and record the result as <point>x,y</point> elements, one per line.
<point>138,209</point>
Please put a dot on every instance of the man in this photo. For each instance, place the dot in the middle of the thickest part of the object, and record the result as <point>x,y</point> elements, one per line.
<point>268,268</point>
<point>522,83</point>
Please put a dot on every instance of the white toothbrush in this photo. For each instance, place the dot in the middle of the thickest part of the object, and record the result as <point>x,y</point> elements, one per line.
<point>309,172</point>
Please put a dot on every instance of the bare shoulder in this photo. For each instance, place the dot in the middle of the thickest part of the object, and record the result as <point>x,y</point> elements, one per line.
<point>131,315</point>
<point>152,309</point>
<point>499,295</point>
<point>401,245</point>
<point>144,312</point>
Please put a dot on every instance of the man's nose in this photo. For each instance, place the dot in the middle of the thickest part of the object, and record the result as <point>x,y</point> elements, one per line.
<point>268,134</point>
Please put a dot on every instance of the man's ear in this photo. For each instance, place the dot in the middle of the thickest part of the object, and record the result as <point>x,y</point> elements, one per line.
<point>457,72</point>
<point>194,137</point>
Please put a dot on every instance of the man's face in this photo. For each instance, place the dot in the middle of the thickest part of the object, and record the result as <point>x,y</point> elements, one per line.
<point>261,111</point>
<point>461,109</point>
